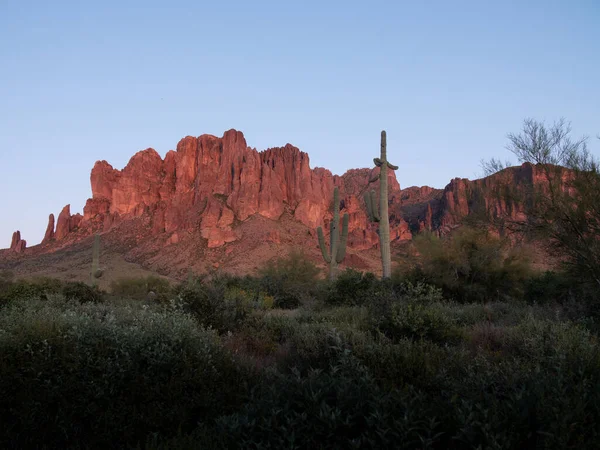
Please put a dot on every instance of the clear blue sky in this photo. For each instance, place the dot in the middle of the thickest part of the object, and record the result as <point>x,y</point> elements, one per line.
<point>82,81</point>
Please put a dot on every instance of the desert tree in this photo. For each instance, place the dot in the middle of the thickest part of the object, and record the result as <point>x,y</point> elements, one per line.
<point>563,204</point>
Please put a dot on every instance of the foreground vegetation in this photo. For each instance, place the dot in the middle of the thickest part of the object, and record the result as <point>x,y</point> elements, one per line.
<point>285,360</point>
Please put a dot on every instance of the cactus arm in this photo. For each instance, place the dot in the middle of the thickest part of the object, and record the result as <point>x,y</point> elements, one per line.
<point>378,162</point>
<point>324,251</point>
<point>369,206</point>
<point>372,206</point>
<point>373,178</point>
<point>391,166</point>
<point>376,210</point>
<point>334,232</point>
<point>341,252</point>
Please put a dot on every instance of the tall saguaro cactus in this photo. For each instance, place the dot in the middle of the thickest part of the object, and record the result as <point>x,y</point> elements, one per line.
<point>96,271</point>
<point>381,215</point>
<point>337,243</point>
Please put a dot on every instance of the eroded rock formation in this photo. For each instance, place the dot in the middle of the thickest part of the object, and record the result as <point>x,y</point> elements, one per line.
<point>17,244</point>
<point>211,184</point>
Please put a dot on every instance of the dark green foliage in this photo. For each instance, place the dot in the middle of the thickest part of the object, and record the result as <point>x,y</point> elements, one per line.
<point>416,321</point>
<point>81,292</point>
<point>537,388</point>
<point>223,302</point>
<point>549,287</point>
<point>340,407</point>
<point>207,302</point>
<point>100,376</point>
<point>292,280</point>
<point>471,265</point>
<point>138,288</point>
<point>409,311</point>
<point>23,290</point>
<point>351,288</point>
<point>381,364</point>
<point>6,279</point>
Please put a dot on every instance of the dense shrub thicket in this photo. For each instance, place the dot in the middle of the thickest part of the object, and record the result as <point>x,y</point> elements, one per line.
<point>103,376</point>
<point>225,362</point>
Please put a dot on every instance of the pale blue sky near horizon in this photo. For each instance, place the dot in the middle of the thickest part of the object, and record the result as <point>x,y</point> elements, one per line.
<point>86,81</point>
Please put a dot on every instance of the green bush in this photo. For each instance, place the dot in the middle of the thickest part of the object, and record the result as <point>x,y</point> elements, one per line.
<point>81,292</point>
<point>340,407</point>
<point>218,303</point>
<point>291,280</point>
<point>471,265</point>
<point>28,289</point>
<point>419,292</point>
<point>139,288</point>
<point>536,387</point>
<point>100,376</point>
<point>351,288</point>
<point>416,321</point>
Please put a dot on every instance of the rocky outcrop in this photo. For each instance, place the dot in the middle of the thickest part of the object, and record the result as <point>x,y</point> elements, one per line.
<point>63,224</point>
<point>211,184</point>
<point>418,205</point>
<point>500,196</point>
<point>66,223</point>
<point>49,234</point>
<point>17,244</point>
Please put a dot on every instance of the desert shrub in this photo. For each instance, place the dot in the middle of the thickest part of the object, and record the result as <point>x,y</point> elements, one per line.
<point>6,276</point>
<point>351,287</point>
<point>539,390</point>
<point>578,301</point>
<point>468,314</point>
<point>417,292</point>
<point>138,288</point>
<point>471,265</point>
<point>98,376</point>
<point>417,321</point>
<point>28,289</point>
<point>312,346</point>
<point>340,407</point>
<point>219,303</point>
<point>345,318</point>
<point>420,363</point>
<point>291,280</point>
<point>526,384</point>
<point>548,287</point>
<point>81,292</point>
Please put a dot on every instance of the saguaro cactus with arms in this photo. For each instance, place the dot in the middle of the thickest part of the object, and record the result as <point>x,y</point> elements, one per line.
<point>337,244</point>
<point>381,215</point>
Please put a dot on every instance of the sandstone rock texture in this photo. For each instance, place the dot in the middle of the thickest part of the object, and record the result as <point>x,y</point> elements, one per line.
<point>209,186</point>
<point>17,244</point>
<point>441,211</point>
<point>49,234</point>
<point>212,184</point>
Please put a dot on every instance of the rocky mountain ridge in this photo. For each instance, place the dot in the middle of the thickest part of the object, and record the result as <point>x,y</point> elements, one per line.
<point>208,192</point>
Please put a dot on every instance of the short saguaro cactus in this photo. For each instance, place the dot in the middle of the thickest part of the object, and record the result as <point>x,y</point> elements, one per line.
<point>96,271</point>
<point>337,244</point>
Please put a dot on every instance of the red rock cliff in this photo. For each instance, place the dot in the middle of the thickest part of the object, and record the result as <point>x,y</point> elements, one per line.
<point>210,183</point>
<point>442,210</point>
